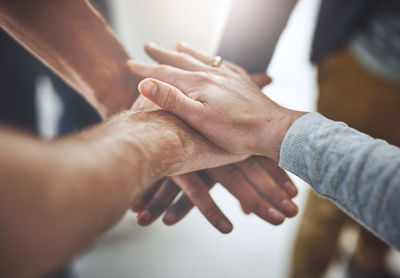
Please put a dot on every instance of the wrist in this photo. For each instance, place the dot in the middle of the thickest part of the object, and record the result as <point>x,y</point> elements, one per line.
<point>126,154</point>
<point>273,130</point>
<point>158,138</point>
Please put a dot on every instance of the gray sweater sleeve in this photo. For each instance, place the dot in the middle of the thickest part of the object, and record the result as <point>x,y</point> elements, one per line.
<point>361,175</point>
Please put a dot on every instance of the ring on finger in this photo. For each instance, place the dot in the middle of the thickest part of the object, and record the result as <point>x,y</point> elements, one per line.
<point>217,61</point>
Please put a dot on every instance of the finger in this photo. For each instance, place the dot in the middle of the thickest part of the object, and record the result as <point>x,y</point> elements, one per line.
<point>174,58</point>
<point>198,193</point>
<point>279,175</point>
<point>207,59</point>
<point>234,181</point>
<point>261,79</point>
<point>236,68</point>
<point>161,201</point>
<point>178,210</point>
<point>170,98</point>
<point>195,53</point>
<point>181,208</point>
<point>245,209</point>
<point>265,185</point>
<point>177,77</point>
<point>145,199</point>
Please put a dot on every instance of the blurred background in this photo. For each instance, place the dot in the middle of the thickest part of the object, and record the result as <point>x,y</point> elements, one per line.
<point>193,248</point>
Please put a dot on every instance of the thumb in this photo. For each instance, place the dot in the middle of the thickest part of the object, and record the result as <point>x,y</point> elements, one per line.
<point>169,98</point>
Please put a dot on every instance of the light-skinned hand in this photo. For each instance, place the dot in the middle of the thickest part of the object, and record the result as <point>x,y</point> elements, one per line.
<point>259,184</point>
<point>222,102</point>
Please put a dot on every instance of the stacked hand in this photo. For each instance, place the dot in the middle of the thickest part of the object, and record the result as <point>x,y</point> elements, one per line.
<point>258,182</point>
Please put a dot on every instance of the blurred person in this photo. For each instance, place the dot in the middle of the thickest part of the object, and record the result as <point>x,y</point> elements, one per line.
<point>77,113</point>
<point>18,107</point>
<point>355,171</point>
<point>357,54</point>
<point>20,71</point>
<point>19,74</point>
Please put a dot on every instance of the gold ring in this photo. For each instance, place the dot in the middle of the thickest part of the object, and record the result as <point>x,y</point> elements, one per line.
<point>217,61</point>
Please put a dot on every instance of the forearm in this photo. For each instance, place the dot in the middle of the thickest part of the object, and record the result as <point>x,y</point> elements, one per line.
<point>360,174</point>
<point>57,197</point>
<point>74,41</point>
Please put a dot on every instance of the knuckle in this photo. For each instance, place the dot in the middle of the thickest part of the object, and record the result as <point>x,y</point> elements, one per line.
<point>236,68</point>
<point>239,69</point>
<point>171,100</point>
<point>161,70</point>
<point>217,70</point>
<point>201,77</point>
<point>233,178</point>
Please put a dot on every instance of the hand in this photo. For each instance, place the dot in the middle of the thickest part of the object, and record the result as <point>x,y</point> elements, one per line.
<point>222,103</point>
<point>260,79</point>
<point>187,150</point>
<point>252,190</point>
<point>258,183</point>
<point>163,192</point>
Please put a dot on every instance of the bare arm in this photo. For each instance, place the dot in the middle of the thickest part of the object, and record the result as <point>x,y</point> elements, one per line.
<point>70,37</point>
<point>358,173</point>
<point>56,197</point>
<point>74,40</point>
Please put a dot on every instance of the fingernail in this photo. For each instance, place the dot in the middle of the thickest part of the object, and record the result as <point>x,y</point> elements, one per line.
<point>275,214</point>
<point>290,188</point>
<point>169,218</point>
<point>149,87</point>
<point>289,207</point>
<point>224,226</point>
<point>143,217</point>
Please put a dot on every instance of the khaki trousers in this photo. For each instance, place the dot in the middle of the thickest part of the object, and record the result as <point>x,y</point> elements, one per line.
<point>350,93</point>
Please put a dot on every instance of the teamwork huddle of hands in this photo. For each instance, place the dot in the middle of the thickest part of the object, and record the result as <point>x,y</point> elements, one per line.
<point>181,84</point>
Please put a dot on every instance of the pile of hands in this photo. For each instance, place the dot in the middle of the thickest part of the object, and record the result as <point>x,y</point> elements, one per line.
<point>187,85</point>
